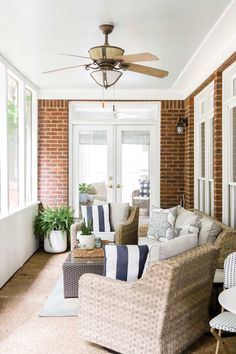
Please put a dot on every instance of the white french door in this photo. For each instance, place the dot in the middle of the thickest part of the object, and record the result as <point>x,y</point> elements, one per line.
<point>113,156</point>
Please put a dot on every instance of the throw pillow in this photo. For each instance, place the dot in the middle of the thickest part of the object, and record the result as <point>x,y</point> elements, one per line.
<point>166,250</point>
<point>209,231</point>
<point>99,214</point>
<point>119,213</point>
<point>144,188</point>
<point>186,217</point>
<point>161,220</point>
<point>125,262</point>
<point>174,232</point>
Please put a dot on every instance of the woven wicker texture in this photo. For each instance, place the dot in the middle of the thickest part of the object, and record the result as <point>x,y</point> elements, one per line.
<point>81,253</point>
<point>162,313</point>
<point>226,240</point>
<point>127,233</point>
<point>73,268</point>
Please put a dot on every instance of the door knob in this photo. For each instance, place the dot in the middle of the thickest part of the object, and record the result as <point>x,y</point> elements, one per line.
<point>109,185</point>
<point>118,185</point>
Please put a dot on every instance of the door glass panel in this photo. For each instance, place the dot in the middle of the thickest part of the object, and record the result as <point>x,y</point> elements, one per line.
<point>93,165</point>
<point>135,169</point>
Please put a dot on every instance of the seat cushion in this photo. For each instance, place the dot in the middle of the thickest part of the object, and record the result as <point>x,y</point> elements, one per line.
<point>225,321</point>
<point>125,262</point>
<point>161,220</point>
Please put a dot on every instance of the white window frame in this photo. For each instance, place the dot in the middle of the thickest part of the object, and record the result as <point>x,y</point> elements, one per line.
<point>206,96</point>
<point>228,102</point>
<point>7,69</point>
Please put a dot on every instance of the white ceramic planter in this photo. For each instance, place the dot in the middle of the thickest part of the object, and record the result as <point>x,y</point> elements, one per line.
<point>58,242</point>
<point>87,241</point>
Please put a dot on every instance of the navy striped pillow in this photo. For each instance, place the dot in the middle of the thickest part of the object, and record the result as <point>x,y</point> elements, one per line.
<point>99,215</point>
<point>125,262</point>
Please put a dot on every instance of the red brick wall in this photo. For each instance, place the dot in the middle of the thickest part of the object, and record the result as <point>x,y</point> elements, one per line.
<point>189,140</point>
<point>53,152</point>
<point>172,154</point>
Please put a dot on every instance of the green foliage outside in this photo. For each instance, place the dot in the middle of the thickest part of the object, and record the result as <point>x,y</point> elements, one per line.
<point>84,187</point>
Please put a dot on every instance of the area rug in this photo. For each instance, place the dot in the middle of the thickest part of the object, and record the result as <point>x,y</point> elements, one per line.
<point>57,306</point>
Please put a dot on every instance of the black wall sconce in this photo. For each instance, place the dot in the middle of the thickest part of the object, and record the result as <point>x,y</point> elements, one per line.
<point>183,122</point>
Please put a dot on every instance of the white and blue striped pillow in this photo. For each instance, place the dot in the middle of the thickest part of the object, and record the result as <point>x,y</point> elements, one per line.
<point>125,262</point>
<point>99,214</point>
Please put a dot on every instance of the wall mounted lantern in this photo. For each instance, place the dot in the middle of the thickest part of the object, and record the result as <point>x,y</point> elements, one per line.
<point>183,122</point>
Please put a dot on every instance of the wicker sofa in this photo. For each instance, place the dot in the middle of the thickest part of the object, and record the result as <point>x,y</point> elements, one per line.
<point>225,241</point>
<point>161,313</point>
<point>126,233</point>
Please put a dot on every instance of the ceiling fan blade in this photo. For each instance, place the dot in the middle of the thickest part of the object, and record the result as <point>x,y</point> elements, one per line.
<point>128,58</point>
<point>147,70</point>
<point>66,68</point>
<point>74,55</point>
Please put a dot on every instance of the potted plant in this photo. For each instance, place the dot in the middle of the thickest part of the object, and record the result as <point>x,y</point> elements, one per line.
<point>83,192</point>
<point>85,235</point>
<point>53,225</point>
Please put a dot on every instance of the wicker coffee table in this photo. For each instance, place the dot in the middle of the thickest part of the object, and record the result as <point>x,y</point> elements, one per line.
<point>74,267</point>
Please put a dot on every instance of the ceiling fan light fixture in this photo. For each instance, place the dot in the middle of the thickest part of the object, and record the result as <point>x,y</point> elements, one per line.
<point>106,77</point>
<point>105,52</point>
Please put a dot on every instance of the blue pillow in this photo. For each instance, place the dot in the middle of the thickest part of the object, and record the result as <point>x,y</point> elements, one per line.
<point>125,262</point>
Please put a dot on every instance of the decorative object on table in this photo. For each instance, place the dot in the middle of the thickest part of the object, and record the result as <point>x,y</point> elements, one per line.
<point>53,225</point>
<point>225,321</point>
<point>98,242</point>
<point>85,236</point>
<point>83,192</point>
<point>84,253</point>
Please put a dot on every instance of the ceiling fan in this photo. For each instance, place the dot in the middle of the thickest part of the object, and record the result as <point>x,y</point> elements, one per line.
<point>108,62</point>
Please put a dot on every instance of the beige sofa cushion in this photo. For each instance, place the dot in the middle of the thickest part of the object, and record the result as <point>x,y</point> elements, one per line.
<point>186,217</point>
<point>119,213</point>
<point>209,230</point>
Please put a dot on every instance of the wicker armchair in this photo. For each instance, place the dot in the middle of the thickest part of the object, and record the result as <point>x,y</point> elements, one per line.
<point>162,313</point>
<point>127,233</point>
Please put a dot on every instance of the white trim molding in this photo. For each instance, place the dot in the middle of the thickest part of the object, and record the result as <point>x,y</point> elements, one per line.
<point>228,186</point>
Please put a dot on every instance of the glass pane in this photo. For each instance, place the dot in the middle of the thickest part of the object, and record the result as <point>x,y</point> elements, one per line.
<point>203,149</point>
<point>234,143</point>
<point>28,144</point>
<point>12,126</point>
<point>135,169</point>
<point>93,165</point>
<point>203,108</point>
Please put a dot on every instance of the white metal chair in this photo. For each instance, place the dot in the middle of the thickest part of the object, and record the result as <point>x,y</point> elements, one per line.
<point>225,321</point>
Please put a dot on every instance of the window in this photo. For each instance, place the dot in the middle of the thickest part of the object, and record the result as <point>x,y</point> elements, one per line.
<point>203,160</point>
<point>229,146</point>
<point>28,145</point>
<point>13,139</point>
<point>18,142</point>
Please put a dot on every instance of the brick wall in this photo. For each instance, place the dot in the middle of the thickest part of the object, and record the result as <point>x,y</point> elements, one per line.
<point>53,152</point>
<point>172,154</point>
<point>217,148</point>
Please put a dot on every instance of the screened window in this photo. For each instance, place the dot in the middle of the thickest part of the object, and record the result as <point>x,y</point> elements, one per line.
<point>13,138</point>
<point>234,144</point>
<point>203,150</point>
<point>28,145</point>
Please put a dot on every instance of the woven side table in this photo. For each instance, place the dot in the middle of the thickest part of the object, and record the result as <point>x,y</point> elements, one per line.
<point>74,267</point>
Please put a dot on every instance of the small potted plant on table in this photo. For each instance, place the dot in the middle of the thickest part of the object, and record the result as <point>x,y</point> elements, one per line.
<point>85,235</point>
<point>53,225</point>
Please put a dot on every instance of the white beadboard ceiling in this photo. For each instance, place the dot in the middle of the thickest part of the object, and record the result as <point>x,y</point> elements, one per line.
<point>32,33</point>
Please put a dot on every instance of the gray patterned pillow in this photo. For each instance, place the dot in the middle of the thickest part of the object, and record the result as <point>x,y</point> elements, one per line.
<point>161,220</point>
<point>174,232</point>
